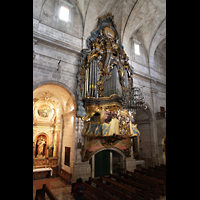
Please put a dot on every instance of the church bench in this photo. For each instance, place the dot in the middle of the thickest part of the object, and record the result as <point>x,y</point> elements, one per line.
<point>108,188</point>
<point>40,193</point>
<point>148,173</point>
<point>65,175</point>
<point>162,174</point>
<point>162,183</point>
<point>108,194</point>
<point>95,192</point>
<point>154,187</point>
<point>160,168</point>
<point>158,171</point>
<point>144,190</point>
<point>88,196</point>
<point>133,191</point>
<point>49,192</point>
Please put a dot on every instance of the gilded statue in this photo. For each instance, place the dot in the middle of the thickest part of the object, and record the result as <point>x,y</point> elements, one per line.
<point>40,147</point>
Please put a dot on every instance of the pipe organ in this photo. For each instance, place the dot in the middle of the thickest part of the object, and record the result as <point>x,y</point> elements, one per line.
<point>104,83</point>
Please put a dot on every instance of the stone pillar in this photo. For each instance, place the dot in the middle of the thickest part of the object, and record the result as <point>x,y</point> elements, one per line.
<point>154,93</point>
<point>34,42</point>
<point>81,169</point>
<point>56,132</point>
<point>153,125</point>
<point>130,164</point>
<point>93,163</point>
<point>111,168</point>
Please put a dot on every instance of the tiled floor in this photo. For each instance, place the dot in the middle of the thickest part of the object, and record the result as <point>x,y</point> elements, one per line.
<point>61,190</point>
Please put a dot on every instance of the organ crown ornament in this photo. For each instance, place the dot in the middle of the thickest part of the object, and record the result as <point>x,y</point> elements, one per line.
<point>104,85</point>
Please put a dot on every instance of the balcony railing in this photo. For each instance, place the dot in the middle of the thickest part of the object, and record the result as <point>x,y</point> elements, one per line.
<point>161,115</point>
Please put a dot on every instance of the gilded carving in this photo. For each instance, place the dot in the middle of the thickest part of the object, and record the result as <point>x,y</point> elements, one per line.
<point>46,130</point>
<point>40,147</point>
<point>103,80</point>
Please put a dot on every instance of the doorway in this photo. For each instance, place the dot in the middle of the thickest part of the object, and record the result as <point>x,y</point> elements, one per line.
<point>102,163</point>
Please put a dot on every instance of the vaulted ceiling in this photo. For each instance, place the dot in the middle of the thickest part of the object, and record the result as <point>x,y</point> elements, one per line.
<point>144,18</point>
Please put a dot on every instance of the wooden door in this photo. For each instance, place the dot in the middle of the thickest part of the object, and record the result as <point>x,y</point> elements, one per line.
<point>102,163</point>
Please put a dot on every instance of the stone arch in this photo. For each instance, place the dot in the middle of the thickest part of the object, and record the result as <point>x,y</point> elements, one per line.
<point>148,111</point>
<point>36,85</point>
<point>119,155</point>
<point>159,37</point>
<point>63,127</point>
<point>148,134</point>
<point>112,149</point>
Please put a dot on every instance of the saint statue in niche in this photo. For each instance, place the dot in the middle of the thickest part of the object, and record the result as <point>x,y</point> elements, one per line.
<point>40,147</point>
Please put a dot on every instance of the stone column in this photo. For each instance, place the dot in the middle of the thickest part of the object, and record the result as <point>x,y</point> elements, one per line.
<point>56,132</point>
<point>130,162</point>
<point>111,166</point>
<point>81,169</point>
<point>34,42</point>
<point>154,93</point>
<point>153,125</point>
<point>93,163</point>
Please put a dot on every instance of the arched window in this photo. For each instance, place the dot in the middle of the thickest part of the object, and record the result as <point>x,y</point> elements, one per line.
<point>137,49</point>
<point>64,13</point>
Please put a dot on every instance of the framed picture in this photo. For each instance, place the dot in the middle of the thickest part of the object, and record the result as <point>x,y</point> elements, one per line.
<point>67,156</point>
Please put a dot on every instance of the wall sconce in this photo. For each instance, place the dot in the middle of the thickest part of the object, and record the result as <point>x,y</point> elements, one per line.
<point>79,144</point>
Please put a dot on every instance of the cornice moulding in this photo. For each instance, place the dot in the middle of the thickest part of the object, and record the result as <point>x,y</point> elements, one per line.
<point>55,42</point>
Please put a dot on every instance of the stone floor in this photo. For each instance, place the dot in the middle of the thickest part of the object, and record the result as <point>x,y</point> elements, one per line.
<point>61,190</point>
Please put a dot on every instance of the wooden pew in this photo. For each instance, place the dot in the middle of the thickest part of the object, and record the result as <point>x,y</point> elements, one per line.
<point>65,176</point>
<point>40,193</point>
<point>154,172</point>
<point>133,191</point>
<point>148,173</point>
<point>154,187</point>
<point>160,168</point>
<point>109,189</point>
<point>95,192</point>
<point>87,195</point>
<point>157,170</point>
<point>144,190</point>
<point>162,183</point>
<point>49,193</point>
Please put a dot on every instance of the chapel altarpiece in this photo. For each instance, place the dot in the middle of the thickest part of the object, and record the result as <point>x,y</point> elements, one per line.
<point>46,131</point>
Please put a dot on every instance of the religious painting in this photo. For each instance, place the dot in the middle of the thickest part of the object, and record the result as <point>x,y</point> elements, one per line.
<point>67,156</point>
<point>44,110</point>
